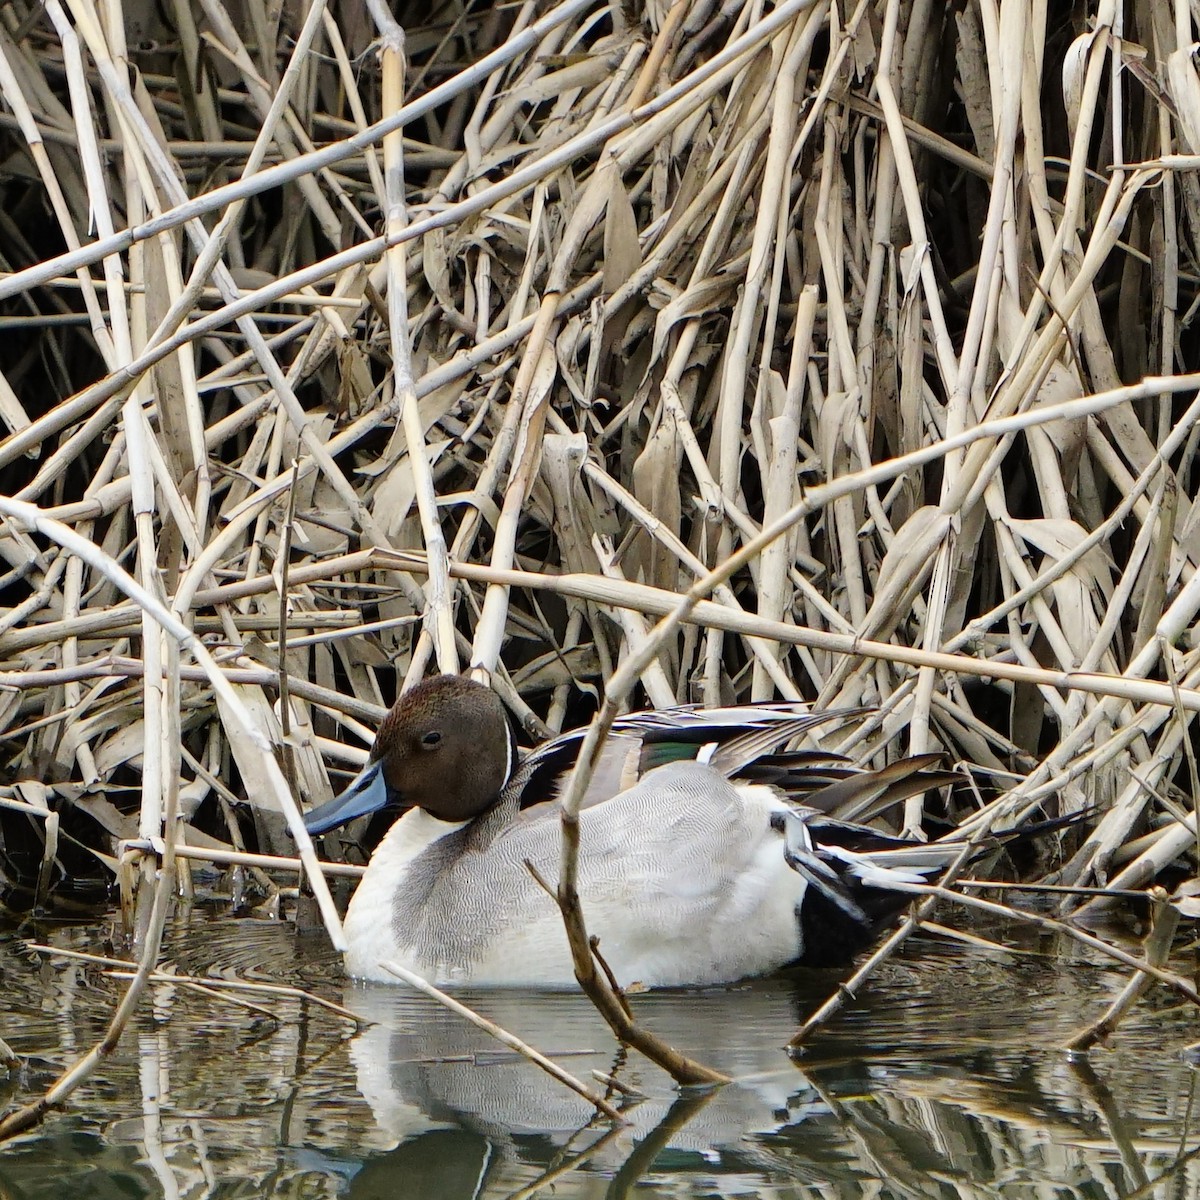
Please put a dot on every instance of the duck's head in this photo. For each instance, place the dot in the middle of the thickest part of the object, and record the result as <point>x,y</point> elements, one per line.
<point>446,747</point>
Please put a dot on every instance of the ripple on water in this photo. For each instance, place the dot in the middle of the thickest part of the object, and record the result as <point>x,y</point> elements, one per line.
<point>946,1067</point>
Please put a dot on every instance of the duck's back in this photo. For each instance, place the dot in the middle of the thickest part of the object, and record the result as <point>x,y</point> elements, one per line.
<point>682,877</point>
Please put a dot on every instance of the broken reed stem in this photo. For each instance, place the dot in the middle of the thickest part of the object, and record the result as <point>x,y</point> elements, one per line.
<point>1175,982</point>
<point>1150,969</point>
<point>1164,920</point>
<point>285,700</point>
<point>596,985</point>
<point>438,614</point>
<point>593,945</point>
<point>238,858</point>
<point>503,1036</point>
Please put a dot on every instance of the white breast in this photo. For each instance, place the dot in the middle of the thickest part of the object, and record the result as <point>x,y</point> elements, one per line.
<point>370,934</point>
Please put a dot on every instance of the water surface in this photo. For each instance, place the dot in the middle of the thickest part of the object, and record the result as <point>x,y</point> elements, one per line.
<point>945,1077</point>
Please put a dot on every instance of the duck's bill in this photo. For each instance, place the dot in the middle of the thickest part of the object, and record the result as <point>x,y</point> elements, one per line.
<point>367,793</point>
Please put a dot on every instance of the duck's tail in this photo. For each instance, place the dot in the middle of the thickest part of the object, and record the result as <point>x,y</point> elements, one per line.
<point>844,876</point>
<point>860,880</point>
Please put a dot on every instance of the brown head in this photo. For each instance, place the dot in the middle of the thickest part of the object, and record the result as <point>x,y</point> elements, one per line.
<point>446,747</point>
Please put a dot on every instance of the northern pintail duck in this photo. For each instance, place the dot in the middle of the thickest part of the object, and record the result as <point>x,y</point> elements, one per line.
<point>706,852</point>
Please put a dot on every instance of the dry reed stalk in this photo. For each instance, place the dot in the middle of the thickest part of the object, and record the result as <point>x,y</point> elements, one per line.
<point>851,324</point>
<point>1163,923</point>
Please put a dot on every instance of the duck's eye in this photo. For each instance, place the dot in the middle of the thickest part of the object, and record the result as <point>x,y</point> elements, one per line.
<point>431,740</point>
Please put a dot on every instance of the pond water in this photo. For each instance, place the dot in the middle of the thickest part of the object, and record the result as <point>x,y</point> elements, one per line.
<point>945,1077</point>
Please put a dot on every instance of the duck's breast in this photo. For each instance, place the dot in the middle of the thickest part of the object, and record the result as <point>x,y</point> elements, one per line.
<point>413,850</point>
<point>457,905</point>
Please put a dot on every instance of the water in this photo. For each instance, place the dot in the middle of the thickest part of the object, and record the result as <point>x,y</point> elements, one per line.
<point>944,1078</point>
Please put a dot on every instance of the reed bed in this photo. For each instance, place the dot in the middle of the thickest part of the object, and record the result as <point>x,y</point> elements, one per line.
<point>850,342</point>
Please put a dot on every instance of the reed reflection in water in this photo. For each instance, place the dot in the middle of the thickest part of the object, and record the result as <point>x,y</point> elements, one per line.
<point>943,1079</point>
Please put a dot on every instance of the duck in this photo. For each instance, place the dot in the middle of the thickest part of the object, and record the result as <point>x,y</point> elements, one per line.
<point>708,852</point>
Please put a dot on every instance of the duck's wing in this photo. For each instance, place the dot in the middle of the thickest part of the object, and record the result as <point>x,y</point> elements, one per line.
<point>861,795</point>
<point>740,731</point>
<point>736,741</point>
<point>540,777</point>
